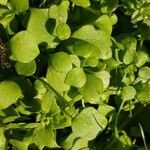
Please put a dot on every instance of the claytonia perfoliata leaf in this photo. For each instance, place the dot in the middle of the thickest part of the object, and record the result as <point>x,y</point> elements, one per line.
<point>43,36</point>
<point>75,60</point>
<point>142,58</point>
<point>129,44</point>
<point>105,109</point>
<point>23,49</point>
<point>105,78</point>
<point>83,3</point>
<point>26,69</point>
<point>143,94</point>
<point>48,104</point>
<point>128,93</point>
<point>61,61</point>
<point>99,39</point>
<point>19,144</point>
<point>81,123</point>
<point>92,89</point>
<point>80,144</point>
<point>5,17</point>
<point>40,88</point>
<point>104,23</point>
<point>63,31</point>
<point>2,140</point>
<point>144,73</point>
<point>20,8</point>
<point>76,77</point>
<point>59,12</point>
<point>82,48</point>
<point>57,79</point>
<point>9,93</point>
<point>62,119</point>
<point>45,136</point>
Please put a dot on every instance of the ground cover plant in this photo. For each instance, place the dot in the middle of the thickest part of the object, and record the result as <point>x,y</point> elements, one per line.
<point>74,74</point>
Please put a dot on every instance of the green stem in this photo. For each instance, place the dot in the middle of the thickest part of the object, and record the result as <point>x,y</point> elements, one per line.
<point>117,117</point>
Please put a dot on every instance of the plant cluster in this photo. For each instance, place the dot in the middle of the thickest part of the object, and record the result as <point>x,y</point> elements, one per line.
<point>74,74</point>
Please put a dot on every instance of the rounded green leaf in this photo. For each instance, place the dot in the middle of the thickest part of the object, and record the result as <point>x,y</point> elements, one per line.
<point>92,89</point>
<point>128,93</point>
<point>63,31</point>
<point>61,61</point>
<point>105,77</point>
<point>40,27</point>
<point>26,69</point>
<point>24,47</point>
<point>143,92</point>
<point>20,7</point>
<point>56,79</point>
<point>144,73</point>
<point>75,60</point>
<point>104,23</point>
<point>142,57</point>
<point>82,3</point>
<point>113,19</point>
<point>81,124</point>
<point>9,93</point>
<point>82,48</point>
<point>76,77</point>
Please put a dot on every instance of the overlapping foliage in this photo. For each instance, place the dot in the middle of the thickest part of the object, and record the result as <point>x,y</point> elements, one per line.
<point>79,76</point>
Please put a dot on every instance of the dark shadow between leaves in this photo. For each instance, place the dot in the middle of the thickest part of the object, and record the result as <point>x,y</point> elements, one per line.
<point>50,25</point>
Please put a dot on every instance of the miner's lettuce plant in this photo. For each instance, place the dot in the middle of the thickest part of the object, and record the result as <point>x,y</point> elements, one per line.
<point>79,76</point>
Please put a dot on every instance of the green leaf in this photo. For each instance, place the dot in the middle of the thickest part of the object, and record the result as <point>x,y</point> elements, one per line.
<point>5,16</point>
<point>61,61</point>
<point>76,77</point>
<point>130,44</point>
<point>23,49</point>
<point>64,119</point>
<point>128,93</point>
<point>92,89</point>
<point>82,127</point>
<point>143,94</point>
<point>104,23</point>
<point>49,105</point>
<point>80,143</point>
<point>105,109</point>
<point>82,3</point>
<point>114,19</point>
<point>56,79</point>
<point>20,7</point>
<point>105,77</point>
<point>82,48</point>
<point>45,136</point>
<point>3,2</point>
<point>99,39</point>
<point>9,93</point>
<point>43,26</point>
<point>75,60</point>
<point>19,144</point>
<point>26,69</point>
<point>59,12</point>
<point>144,73</point>
<point>91,61</point>
<point>40,88</point>
<point>142,58</point>
<point>2,140</point>
<point>63,31</point>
